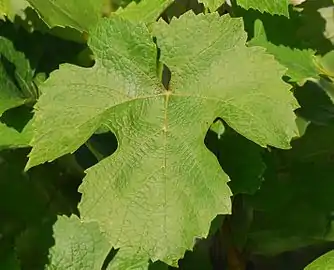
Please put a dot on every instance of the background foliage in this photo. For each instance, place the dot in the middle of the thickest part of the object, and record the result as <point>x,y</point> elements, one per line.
<point>161,134</point>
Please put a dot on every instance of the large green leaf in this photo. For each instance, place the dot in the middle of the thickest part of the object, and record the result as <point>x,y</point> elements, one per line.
<point>146,11</point>
<point>10,95</point>
<point>317,24</point>
<point>316,100</point>
<point>11,138</point>
<point>179,7</point>
<point>4,8</point>
<point>243,164</point>
<point>300,62</point>
<point>304,174</point>
<point>18,188</point>
<point>77,245</point>
<point>16,77</point>
<point>328,15</point>
<point>11,8</point>
<point>82,246</point>
<point>325,262</point>
<point>271,6</point>
<point>326,64</point>
<point>16,88</point>
<point>162,186</point>
<point>16,128</point>
<point>212,5</point>
<point>129,258</point>
<point>80,15</point>
<point>213,59</point>
<point>29,204</point>
<point>290,47</point>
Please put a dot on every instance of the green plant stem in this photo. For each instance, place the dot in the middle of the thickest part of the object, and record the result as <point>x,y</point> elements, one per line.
<point>95,152</point>
<point>70,163</point>
<point>160,69</point>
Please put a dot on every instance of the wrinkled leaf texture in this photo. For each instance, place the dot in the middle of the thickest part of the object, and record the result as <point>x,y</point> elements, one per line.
<point>162,186</point>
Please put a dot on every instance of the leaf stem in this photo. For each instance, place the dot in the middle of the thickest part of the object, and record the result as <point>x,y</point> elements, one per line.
<point>95,152</point>
<point>160,68</point>
<point>70,163</point>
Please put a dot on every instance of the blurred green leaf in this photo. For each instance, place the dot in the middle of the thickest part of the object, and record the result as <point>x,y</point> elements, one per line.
<point>325,262</point>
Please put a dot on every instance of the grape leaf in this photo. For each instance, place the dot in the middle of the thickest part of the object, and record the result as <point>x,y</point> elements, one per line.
<point>174,40</point>
<point>328,15</point>
<point>295,47</point>
<point>218,128</point>
<point>280,7</point>
<point>317,24</point>
<point>78,15</point>
<point>324,262</point>
<point>146,11</point>
<point>41,193</point>
<point>296,2</point>
<point>243,164</point>
<point>179,7</point>
<point>18,187</point>
<point>316,100</point>
<point>10,95</point>
<point>34,242</point>
<point>3,8</point>
<point>16,128</point>
<point>287,46</point>
<point>153,193</point>
<point>300,62</point>
<point>11,8</point>
<point>77,245</point>
<point>129,258</point>
<point>16,77</point>
<point>11,138</point>
<point>212,5</point>
<point>16,89</point>
<point>326,64</point>
<point>304,175</point>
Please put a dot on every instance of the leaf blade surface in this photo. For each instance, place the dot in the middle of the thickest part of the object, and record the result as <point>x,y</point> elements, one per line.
<point>271,6</point>
<point>162,186</point>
